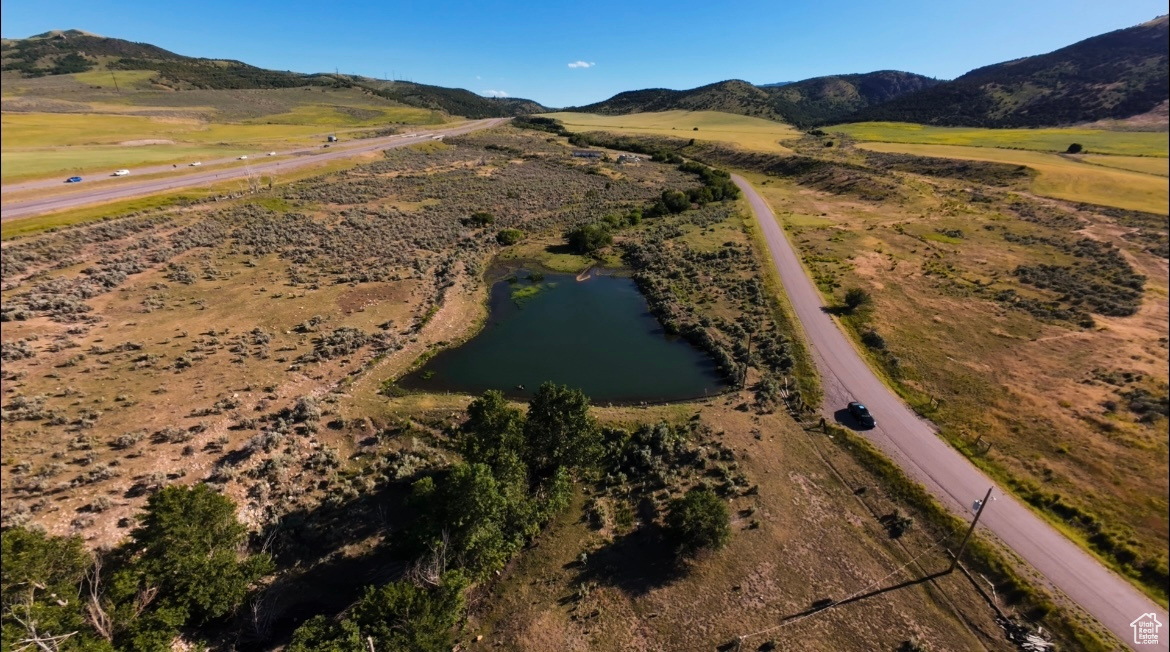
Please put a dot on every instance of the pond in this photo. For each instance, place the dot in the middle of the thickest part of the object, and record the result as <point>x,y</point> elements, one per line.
<point>596,335</point>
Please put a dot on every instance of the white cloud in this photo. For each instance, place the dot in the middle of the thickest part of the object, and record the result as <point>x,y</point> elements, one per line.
<point>478,77</point>
<point>490,93</point>
<point>582,64</point>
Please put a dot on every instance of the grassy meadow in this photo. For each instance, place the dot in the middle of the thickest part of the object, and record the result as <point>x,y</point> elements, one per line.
<point>1058,176</point>
<point>1097,141</point>
<point>1146,164</point>
<point>78,124</point>
<point>742,131</point>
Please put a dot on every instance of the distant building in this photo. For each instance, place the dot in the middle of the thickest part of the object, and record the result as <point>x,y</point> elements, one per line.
<point>629,158</point>
<point>587,153</point>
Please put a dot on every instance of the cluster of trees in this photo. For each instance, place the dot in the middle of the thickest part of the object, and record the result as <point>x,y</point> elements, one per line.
<point>516,475</point>
<point>717,186</point>
<point>185,565</point>
<point>658,152</point>
<point>588,238</point>
<point>186,568</point>
<point>537,123</point>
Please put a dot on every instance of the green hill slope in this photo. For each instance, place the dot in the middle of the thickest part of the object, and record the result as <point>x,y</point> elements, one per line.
<point>74,51</point>
<point>802,103</point>
<point>1115,75</point>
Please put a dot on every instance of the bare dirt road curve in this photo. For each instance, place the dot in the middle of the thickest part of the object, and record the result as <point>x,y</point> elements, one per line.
<point>207,175</point>
<point>914,445</point>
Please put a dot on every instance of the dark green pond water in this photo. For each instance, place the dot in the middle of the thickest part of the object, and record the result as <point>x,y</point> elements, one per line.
<point>596,335</point>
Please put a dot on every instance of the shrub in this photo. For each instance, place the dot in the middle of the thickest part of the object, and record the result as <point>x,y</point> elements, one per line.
<point>1075,148</point>
<point>478,220</point>
<point>874,341</point>
<point>588,238</point>
<point>508,237</point>
<point>699,520</point>
<point>857,298</point>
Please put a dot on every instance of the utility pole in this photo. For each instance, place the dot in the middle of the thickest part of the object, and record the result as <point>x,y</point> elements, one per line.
<point>115,78</point>
<point>971,530</point>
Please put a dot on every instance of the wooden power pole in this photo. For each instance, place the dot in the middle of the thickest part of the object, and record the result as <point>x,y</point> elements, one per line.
<point>970,531</point>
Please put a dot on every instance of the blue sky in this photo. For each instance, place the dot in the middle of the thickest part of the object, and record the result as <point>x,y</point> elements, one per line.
<point>498,48</point>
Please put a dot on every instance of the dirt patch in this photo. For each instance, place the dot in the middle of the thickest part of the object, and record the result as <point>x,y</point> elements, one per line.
<point>146,141</point>
<point>361,298</point>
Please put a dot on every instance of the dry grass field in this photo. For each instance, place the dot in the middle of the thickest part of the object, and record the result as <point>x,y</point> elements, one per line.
<point>716,126</point>
<point>1074,415</point>
<point>807,535</point>
<point>1098,141</point>
<point>1062,178</point>
<point>253,345</point>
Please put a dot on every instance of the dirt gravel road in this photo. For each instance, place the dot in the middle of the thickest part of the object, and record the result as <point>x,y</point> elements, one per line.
<point>915,446</point>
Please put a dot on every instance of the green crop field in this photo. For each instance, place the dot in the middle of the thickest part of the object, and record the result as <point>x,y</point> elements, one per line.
<point>1059,177</point>
<point>742,131</point>
<point>1132,143</point>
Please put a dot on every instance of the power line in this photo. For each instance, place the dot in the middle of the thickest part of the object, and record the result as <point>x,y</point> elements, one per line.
<point>862,591</point>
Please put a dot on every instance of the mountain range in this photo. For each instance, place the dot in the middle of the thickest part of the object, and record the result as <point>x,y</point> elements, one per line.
<point>73,51</point>
<point>1115,75</point>
<point>1112,76</point>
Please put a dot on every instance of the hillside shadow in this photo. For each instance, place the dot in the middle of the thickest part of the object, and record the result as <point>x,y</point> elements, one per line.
<point>636,563</point>
<point>560,249</point>
<point>328,554</point>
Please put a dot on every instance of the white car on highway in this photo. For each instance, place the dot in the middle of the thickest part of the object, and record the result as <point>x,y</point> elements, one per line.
<point>121,173</point>
<point>196,164</point>
<point>243,157</point>
<point>272,153</point>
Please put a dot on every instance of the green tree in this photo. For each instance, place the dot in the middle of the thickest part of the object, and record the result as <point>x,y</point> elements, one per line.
<point>508,237</point>
<point>468,509</point>
<point>187,556</point>
<point>493,432</point>
<point>42,577</point>
<point>559,431</point>
<point>1075,148</point>
<point>403,616</point>
<point>856,298</point>
<point>323,634</point>
<point>699,520</point>
<point>588,238</point>
<point>676,201</point>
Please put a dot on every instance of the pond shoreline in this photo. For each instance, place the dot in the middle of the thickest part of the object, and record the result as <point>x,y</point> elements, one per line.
<point>569,329</point>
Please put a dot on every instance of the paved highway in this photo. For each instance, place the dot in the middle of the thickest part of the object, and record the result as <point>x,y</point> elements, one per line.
<point>206,175</point>
<point>915,446</point>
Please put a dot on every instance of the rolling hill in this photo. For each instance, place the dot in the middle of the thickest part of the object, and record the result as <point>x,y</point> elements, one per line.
<point>1111,76</point>
<point>803,103</point>
<point>62,52</point>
